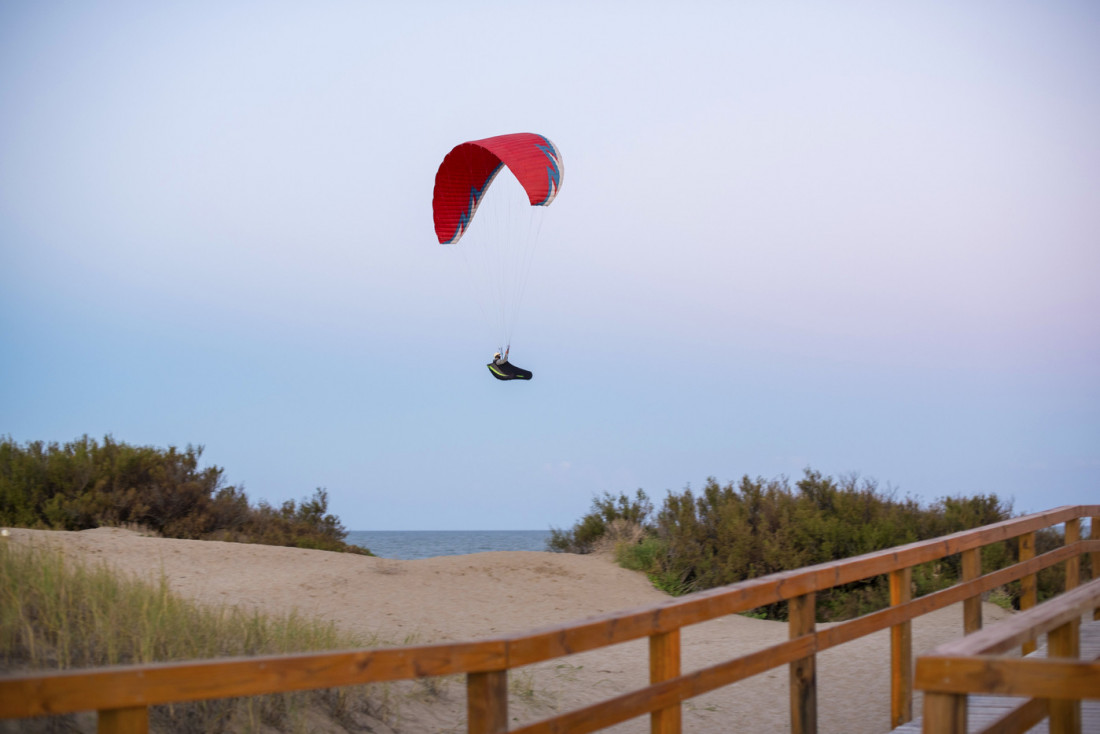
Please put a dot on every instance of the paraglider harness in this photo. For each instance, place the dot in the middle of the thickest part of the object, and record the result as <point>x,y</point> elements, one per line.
<point>502,369</point>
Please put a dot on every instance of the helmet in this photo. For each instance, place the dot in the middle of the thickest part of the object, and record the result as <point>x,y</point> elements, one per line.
<point>496,356</point>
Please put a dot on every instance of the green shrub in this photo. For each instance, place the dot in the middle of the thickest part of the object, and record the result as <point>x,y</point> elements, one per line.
<point>641,556</point>
<point>725,534</point>
<point>84,484</point>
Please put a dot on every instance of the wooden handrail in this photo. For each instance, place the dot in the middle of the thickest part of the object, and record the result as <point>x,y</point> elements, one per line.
<point>975,664</point>
<point>124,686</point>
<point>636,703</point>
<point>743,596</point>
<point>127,689</point>
<point>1039,678</point>
<point>1026,627</point>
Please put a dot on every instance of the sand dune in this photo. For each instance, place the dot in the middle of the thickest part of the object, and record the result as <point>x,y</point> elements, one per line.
<point>488,594</point>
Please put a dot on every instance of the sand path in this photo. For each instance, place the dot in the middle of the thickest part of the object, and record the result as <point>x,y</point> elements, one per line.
<point>455,598</point>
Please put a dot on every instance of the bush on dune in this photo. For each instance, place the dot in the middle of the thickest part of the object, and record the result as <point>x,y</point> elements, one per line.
<point>85,484</point>
<point>594,527</point>
<point>728,533</point>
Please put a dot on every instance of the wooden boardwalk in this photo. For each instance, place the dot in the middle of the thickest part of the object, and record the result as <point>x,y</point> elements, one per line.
<point>122,695</point>
<point>985,710</point>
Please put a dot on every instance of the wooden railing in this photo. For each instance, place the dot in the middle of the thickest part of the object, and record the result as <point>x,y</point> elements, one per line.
<point>122,695</point>
<point>976,664</point>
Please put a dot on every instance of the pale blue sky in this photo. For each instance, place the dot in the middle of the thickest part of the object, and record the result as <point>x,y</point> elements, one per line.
<point>858,237</point>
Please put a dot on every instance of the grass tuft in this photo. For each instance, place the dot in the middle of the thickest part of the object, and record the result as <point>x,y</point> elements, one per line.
<point>57,613</point>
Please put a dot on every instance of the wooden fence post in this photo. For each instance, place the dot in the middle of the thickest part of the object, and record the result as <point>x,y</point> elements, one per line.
<point>972,607</point>
<point>944,713</point>
<point>1094,558</point>
<point>1073,565</point>
<point>123,721</point>
<point>487,702</point>
<point>1028,584</point>
<point>664,663</point>
<point>1065,713</point>
<point>901,651</point>
<point>801,613</point>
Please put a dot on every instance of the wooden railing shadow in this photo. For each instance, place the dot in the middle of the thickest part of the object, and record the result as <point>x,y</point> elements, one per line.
<point>122,695</point>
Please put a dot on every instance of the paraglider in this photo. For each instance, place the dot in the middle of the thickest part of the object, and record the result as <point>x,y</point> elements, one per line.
<point>462,182</point>
<point>502,369</point>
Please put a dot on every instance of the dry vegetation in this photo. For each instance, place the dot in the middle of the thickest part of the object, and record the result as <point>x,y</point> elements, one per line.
<point>57,614</point>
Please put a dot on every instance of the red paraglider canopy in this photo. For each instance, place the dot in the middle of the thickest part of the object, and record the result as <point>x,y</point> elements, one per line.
<point>469,169</point>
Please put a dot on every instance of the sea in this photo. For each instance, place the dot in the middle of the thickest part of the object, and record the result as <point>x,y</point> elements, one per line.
<point>408,545</point>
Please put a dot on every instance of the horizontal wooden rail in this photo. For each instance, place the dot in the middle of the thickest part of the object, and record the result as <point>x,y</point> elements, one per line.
<point>627,706</point>
<point>1038,678</point>
<point>160,683</point>
<point>880,620</point>
<point>131,688</point>
<point>617,627</point>
<point>1014,631</point>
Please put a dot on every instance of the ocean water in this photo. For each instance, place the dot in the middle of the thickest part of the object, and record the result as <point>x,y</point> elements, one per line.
<point>412,544</point>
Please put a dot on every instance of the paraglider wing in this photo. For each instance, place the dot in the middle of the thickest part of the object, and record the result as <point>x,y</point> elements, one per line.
<point>469,169</point>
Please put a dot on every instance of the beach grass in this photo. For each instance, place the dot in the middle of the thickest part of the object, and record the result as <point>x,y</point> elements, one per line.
<point>57,613</point>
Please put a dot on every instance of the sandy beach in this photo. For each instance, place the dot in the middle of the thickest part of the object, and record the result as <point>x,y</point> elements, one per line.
<point>456,598</point>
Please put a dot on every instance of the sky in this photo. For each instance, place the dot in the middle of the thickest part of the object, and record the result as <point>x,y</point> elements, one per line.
<point>855,237</point>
